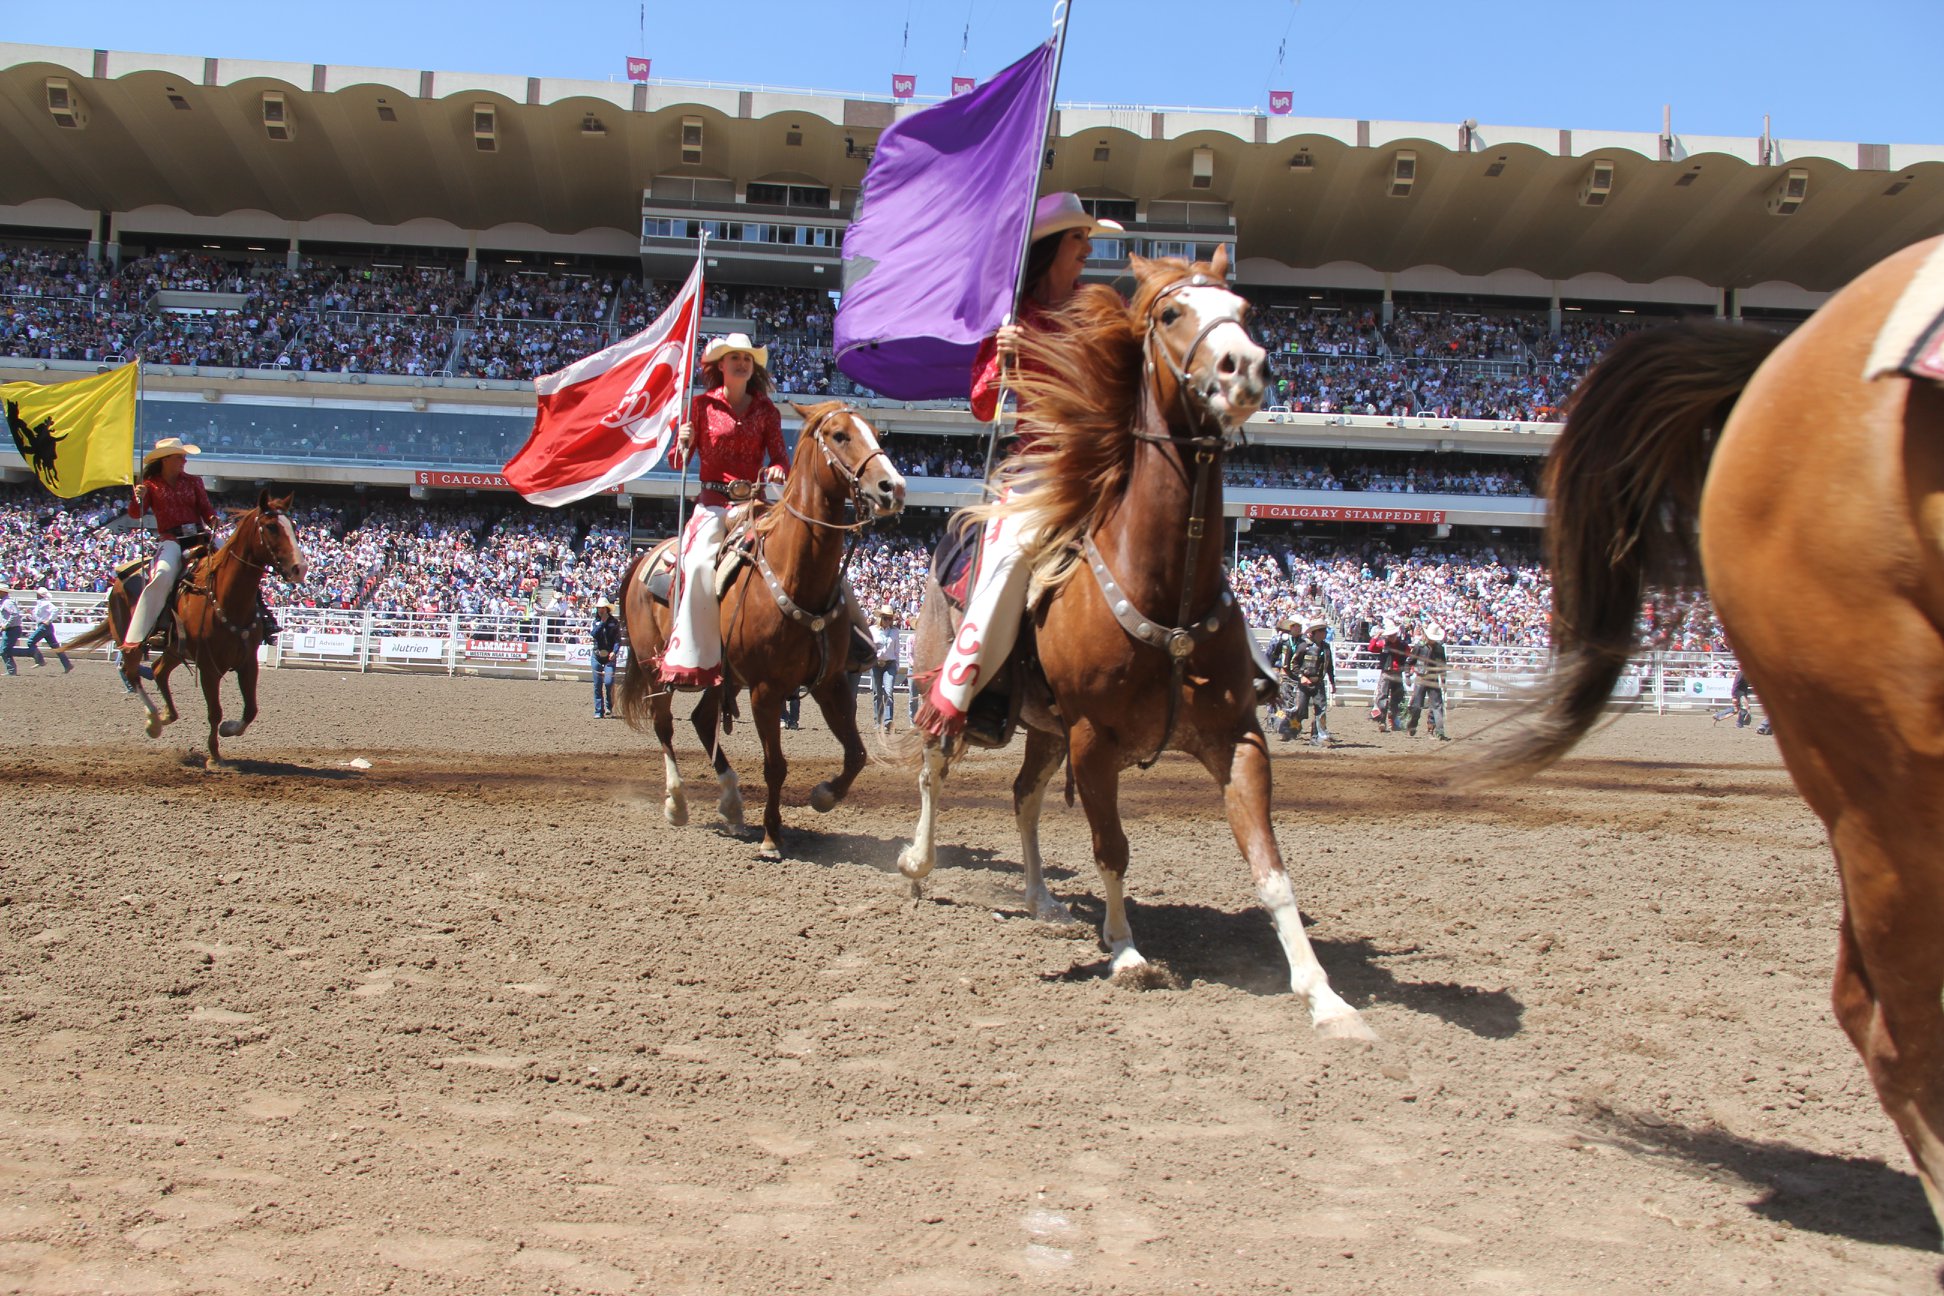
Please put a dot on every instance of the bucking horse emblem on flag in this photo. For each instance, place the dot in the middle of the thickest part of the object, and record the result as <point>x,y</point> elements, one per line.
<point>37,444</point>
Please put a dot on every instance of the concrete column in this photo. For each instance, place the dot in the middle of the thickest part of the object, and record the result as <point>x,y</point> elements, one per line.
<point>295,254</point>
<point>1554,316</point>
<point>472,257</point>
<point>1721,303</point>
<point>1390,307</point>
<point>94,236</point>
<point>114,241</point>
<point>1734,305</point>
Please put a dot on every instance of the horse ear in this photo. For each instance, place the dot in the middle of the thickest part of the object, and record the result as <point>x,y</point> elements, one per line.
<point>1140,265</point>
<point>1219,263</point>
<point>801,412</point>
<point>263,500</point>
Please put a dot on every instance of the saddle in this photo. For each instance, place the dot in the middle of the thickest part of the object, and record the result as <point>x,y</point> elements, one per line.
<point>658,573</point>
<point>952,560</point>
<point>134,578</point>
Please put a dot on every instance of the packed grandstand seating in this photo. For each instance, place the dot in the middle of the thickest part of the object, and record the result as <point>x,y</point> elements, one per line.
<point>421,317</point>
<point>500,558</point>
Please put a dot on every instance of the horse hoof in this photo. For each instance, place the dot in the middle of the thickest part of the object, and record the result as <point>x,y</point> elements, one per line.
<point>1143,975</point>
<point>731,810</point>
<point>769,851</point>
<point>912,865</point>
<point>229,728</point>
<point>675,811</point>
<point>153,726</point>
<point>1048,910</point>
<point>1347,1026</point>
<point>822,799</point>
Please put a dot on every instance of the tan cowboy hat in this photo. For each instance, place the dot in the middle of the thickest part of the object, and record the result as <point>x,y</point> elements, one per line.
<point>722,346</point>
<point>604,604</point>
<point>1062,211</point>
<point>168,448</point>
<point>887,610</point>
<point>1434,632</point>
<point>1314,623</point>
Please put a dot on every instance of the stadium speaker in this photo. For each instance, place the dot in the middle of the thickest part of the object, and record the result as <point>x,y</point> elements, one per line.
<point>1788,193</point>
<point>691,140</point>
<point>1403,173</point>
<point>1597,185</point>
<point>65,106</point>
<point>276,116</point>
<point>1201,168</point>
<point>485,128</point>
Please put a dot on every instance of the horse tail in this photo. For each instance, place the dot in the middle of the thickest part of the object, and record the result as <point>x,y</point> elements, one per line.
<point>637,682</point>
<point>100,633</point>
<point>1623,491</point>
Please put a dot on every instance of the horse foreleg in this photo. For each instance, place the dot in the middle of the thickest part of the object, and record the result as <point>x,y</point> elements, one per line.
<point>212,687</point>
<point>246,683</point>
<point>1044,754</point>
<point>1096,770</point>
<point>674,800</point>
<point>766,710</point>
<point>1889,976</point>
<point>1242,769</point>
<point>917,860</point>
<point>838,702</point>
<point>708,727</point>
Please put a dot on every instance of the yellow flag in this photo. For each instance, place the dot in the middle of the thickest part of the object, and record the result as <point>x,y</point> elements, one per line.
<point>76,436</point>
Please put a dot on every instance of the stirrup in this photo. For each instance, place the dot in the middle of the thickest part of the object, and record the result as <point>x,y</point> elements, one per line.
<point>985,720</point>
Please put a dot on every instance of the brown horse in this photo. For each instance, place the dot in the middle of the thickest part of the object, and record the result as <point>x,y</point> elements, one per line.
<point>786,621</point>
<point>1132,407</point>
<point>216,628</point>
<point>1820,526</point>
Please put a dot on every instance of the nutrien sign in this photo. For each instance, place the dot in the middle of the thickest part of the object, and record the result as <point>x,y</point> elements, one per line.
<point>1332,513</point>
<point>443,480</point>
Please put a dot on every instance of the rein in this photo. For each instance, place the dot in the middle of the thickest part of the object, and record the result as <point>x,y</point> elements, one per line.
<point>1178,641</point>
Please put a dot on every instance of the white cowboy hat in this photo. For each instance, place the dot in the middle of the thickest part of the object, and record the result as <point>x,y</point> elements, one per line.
<point>1434,632</point>
<point>1062,211</point>
<point>168,448</point>
<point>722,346</point>
<point>1314,623</point>
<point>604,604</point>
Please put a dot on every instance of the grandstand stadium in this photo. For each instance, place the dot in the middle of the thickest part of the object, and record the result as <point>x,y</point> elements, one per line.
<point>346,277</point>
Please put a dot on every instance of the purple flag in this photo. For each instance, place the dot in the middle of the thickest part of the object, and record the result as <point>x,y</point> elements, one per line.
<point>931,259</point>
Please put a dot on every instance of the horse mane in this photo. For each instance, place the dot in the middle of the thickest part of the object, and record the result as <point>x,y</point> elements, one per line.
<point>1080,380</point>
<point>772,515</point>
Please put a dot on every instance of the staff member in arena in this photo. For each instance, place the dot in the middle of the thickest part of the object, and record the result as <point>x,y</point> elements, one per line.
<point>182,514</point>
<point>606,638</point>
<point>1428,660</point>
<point>1314,666</point>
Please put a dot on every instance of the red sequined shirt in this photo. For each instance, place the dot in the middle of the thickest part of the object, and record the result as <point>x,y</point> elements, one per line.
<point>733,448</point>
<point>177,504</point>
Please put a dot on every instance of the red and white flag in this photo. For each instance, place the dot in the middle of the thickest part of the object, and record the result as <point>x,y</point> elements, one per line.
<point>607,418</point>
<point>637,68</point>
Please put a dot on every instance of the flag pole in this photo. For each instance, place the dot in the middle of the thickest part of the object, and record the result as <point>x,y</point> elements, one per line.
<point>1062,11</point>
<point>688,404</point>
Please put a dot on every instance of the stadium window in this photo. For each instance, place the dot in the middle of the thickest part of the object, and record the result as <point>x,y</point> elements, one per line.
<point>809,196</point>
<point>1113,209</point>
<point>767,195</point>
<point>1109,249</point>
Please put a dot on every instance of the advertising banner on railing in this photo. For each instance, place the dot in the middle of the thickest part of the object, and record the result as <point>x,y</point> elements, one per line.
<point>1334,513</point>
<point>403,648</point>
<point>320,644</point>
<point>444,480</point>
<point>1712,687</point>
<point>498,649</point>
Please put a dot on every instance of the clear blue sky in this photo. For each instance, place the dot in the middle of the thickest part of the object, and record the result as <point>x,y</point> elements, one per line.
<point>1824,70</point>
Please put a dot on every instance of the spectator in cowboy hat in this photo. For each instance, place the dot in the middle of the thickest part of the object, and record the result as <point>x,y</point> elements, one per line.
<point>1428,660</point>
<point>884,665</point>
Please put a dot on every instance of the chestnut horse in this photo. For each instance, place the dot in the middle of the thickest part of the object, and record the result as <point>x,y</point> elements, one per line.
<point>1132,408</point>
<point>783,629</point>
<point>1818,503</point>
<point>216,629</point>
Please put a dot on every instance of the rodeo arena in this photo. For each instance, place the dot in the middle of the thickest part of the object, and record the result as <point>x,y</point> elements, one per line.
<point>1436,682</point>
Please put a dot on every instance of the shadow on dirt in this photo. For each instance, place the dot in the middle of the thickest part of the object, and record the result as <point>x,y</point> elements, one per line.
<point>1240,949</point>
<point>1852,1197</point>
<point>842,849</point>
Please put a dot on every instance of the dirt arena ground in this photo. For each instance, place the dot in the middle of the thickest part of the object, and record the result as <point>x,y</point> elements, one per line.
<point>476,1019</point>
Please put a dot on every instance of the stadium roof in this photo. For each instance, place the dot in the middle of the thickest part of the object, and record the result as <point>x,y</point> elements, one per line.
<point>391,155</point>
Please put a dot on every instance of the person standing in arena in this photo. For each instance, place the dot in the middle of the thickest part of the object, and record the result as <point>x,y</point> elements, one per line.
<point>606,637</point>
<point>1314,666</point>
<point>1393,651</point>
<point>736,435</point>
<point>1428,660</point>
<point>44,614</point>
<point>1282,652</point>
<point>10,628</point>
<point>183,516</point>
<point>884,666</point>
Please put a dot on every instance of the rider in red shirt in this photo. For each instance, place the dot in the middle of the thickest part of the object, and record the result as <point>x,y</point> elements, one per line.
<point>182,510</point>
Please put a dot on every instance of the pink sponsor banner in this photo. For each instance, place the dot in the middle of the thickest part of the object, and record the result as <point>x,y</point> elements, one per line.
<point>902,86</point>
<point>497,649</point>
<point>637,68</point>
<point>1281,101</point>
<point>1334,513</point>
<point>471,480</point>
<point>963,85</point>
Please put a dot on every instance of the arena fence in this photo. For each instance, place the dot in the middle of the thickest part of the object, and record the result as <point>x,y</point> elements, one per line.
<point>556,647</point>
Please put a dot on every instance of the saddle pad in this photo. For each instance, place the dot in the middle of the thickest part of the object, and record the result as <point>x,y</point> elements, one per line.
<point>1911,341</point>
<point>658,573</point>
<point>952,562</point>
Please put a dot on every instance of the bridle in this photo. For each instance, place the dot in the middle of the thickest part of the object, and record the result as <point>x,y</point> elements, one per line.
<point>1180,640</point>
<point>232,551</point>
<point>853,478</point>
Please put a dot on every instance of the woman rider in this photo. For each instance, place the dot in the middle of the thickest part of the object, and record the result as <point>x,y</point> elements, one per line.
<point>1062,240</point>
<point>735,431</point>
<point>182,511</point>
